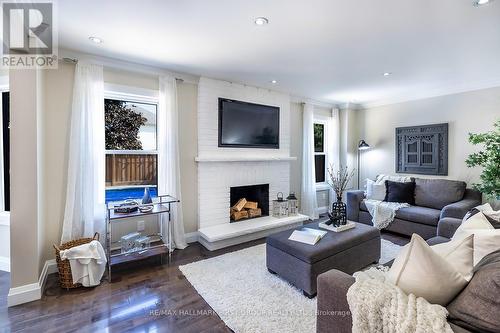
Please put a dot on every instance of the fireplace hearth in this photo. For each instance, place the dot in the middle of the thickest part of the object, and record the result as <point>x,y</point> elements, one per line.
<point>249,201</point>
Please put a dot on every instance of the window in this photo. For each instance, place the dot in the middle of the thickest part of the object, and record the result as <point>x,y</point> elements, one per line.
<point>131,148</point>
<point>320,152</point>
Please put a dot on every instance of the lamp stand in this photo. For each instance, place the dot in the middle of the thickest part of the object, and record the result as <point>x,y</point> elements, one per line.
<point>359,154</point>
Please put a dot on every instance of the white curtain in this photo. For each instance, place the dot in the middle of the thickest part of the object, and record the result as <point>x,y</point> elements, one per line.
<point>169,181</point>
<point>308,201</point>
<point>85,211</point>
<point>2,185</point>
<point>333,147</point>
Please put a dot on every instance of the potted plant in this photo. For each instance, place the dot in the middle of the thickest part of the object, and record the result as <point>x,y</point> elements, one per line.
<point>489,159</point>
<point>338,182</point>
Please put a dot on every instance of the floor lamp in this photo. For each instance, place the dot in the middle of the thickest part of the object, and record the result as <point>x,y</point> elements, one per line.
<point>362,145</point>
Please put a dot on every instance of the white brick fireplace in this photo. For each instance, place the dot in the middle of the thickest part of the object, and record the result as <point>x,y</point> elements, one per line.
<point>219,169</point>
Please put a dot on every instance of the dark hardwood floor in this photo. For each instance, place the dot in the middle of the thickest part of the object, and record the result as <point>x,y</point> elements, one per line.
<point>146,297</point>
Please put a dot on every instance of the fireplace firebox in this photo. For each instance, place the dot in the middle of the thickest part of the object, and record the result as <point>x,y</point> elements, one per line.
<point>249,201</point>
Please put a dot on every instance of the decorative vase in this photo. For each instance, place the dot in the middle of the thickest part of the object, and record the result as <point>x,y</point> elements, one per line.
<point>339,211</point>
<point>146,198</point>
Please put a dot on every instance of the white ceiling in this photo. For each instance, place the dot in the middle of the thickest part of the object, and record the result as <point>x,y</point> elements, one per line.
<point>329,50</point>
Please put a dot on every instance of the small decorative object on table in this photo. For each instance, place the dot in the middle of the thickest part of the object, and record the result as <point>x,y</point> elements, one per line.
<point>127,207</point>
<point>146,198</point>
<point>338,182</point>
<point>280,206</point>
<point>142,242</point>
<point>146,208</point>
<point>127,241</point>
<point>292,204</point>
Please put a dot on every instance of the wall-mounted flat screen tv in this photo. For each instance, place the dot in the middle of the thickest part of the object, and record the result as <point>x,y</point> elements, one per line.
<point>248,125</point>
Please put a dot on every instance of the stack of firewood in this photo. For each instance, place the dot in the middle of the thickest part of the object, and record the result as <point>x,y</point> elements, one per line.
<point>244,209</point>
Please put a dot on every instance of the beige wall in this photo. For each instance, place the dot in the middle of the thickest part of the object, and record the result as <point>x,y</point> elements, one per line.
<point>58,94</point>
<point>26,223</point>
<point>188,141</point>
<point>466,112</point>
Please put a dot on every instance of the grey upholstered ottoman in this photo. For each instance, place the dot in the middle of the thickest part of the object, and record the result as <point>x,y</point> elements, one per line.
<point>300,264</point>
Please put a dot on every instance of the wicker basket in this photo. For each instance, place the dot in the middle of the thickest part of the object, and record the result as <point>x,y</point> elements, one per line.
<point>65,277</point>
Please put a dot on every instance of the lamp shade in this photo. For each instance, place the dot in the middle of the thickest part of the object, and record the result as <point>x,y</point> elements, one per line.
<point>362,145</point>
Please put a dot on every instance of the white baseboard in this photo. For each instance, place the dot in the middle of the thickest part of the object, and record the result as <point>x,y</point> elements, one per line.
<point>191,237</point>
<point>5,264</point>
<point>32,292</point>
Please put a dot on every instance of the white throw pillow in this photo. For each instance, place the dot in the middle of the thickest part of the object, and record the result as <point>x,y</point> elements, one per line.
<point>476,221</point>
<point>485,241</point>
<point>459,253</point>
<point>419,270</point>
<point>375,191</point>
<point>402,179</point>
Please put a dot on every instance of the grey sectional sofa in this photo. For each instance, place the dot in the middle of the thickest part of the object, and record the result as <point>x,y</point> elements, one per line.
<point>474,309</point>
<point>435,200</point>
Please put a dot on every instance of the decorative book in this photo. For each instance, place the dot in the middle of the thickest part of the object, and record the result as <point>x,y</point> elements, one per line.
<point>307,236</point>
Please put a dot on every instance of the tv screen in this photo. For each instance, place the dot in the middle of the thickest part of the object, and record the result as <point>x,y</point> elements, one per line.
<point>248,125</point>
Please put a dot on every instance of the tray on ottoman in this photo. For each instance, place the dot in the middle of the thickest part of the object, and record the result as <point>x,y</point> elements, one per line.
<point>300,264</point>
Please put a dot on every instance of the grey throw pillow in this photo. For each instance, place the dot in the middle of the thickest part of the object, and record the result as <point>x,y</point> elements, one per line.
<point>477,307</point>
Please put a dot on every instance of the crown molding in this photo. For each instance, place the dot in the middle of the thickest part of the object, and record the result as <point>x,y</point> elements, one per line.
<point>128,66</point>
<point>436,92</point>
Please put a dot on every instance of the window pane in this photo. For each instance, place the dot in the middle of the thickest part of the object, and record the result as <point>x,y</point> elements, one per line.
<point>319,135</point>
<point>128,174</point>
<point>130,125</point>
<point>121,194</point>
<point>319,161</point>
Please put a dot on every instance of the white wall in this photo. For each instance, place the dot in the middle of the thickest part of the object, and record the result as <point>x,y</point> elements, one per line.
<point>466,112</point>
<point>215,179</point>
<point>210,90</point>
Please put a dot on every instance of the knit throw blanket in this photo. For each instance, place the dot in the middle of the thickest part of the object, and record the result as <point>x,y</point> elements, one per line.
<point>383,212</point>
<point>379,306</point>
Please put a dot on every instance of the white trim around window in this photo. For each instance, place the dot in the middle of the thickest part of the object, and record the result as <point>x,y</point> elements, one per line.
<point>323,121</point>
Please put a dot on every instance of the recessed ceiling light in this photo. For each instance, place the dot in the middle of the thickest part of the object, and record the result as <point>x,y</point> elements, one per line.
<point>96,40</point>
<point>261,21</point>
<point>274,81</point>
<point>387,74</point>
<point>478,3</point>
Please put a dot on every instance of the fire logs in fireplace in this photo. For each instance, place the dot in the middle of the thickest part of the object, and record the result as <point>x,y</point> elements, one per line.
<point>244,209</point>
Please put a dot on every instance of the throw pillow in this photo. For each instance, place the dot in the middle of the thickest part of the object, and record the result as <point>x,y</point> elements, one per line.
<point>375,191</point>
<point>420,271</point>
<point>476,307</point>
<point>459,253</point>
<point>492,215</point>
<point>400,192</point>
<point>476,221</point>
<point>486,241</point>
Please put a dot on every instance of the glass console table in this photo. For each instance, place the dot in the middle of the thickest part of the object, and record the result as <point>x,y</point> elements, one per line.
<point>162,207</point>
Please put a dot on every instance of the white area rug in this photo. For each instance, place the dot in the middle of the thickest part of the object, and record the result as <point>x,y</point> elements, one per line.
<point>249,299</point>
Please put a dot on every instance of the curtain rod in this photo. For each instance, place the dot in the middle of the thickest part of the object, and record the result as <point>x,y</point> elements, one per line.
<point>75,61</point>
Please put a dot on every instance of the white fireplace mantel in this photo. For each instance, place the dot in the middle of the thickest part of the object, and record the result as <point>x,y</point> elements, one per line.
<point>245,159</point>
<point>221,168</point>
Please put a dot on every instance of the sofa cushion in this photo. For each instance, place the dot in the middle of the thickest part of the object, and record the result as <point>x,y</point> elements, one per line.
<point>400,192</point>
<point>477,307</point>
<point>421,215</point>
<point>437,193</point>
